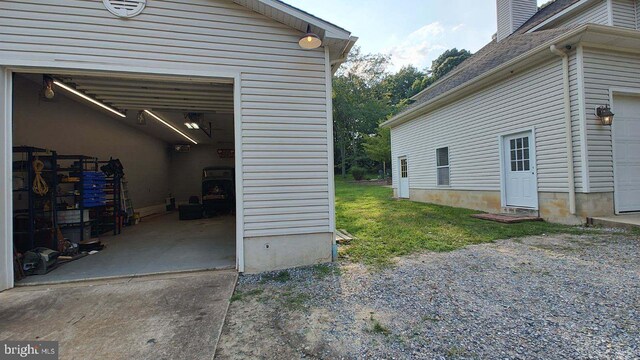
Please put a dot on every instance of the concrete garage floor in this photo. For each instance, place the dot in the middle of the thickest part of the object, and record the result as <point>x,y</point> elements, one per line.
<point>171,316</point>
<point>157,245</point>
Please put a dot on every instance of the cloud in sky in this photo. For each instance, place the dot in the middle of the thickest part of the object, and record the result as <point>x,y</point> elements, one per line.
<point>425,44</point>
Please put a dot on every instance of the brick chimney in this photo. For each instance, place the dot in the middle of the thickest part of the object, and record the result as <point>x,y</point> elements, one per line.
<point>512,14</point>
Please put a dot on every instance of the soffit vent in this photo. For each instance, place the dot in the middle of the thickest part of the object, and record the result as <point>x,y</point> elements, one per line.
<point>125,8</point>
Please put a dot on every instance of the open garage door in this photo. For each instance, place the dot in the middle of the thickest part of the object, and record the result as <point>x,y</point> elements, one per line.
<point>121,176</point>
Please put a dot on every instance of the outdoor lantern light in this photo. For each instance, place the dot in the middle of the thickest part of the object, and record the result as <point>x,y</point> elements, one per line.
<point>47,90</point>
<point>310,40</point>
<point>605,115</point>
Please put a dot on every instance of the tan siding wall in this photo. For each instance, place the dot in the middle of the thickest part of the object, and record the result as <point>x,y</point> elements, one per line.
<point>284,129</point>
<point>471,128</point>
<point>605,70</point>
<point>624,13</point>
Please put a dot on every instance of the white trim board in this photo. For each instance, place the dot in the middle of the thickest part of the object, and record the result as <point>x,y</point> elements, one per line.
<point>331,172</point>
<point>582,118</point>
<point>237,122</point>
<point>6,189</point>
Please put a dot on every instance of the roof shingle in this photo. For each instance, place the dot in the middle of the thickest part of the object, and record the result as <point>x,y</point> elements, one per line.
<point>496,53</point>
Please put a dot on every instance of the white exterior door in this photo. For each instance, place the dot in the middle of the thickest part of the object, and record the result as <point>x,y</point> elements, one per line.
<point>403,182</point>
<point>626,150</point>
<point>520,185</point>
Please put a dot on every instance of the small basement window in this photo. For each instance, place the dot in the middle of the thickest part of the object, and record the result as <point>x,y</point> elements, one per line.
<point>442,164</point>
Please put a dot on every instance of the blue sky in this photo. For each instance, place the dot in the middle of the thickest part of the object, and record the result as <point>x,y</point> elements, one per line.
<point>412,31</point>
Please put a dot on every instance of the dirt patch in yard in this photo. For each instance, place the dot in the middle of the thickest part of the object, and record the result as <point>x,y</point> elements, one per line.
<point>561,296</point>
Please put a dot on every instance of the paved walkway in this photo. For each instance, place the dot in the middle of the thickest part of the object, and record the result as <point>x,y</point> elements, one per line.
<point>177,316</point>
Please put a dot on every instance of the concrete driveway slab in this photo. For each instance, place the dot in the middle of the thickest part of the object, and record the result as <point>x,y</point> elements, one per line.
<point>173,316</point>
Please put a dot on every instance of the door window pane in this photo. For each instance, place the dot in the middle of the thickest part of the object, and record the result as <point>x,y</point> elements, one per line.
<point>520,154</point>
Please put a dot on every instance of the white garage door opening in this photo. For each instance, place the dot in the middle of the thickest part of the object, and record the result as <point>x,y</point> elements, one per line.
<point>122,176</point>
<point>626,149</point>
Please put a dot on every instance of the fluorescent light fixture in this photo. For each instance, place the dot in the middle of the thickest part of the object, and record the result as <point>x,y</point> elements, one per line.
<point>170,126</point>
<point>188,125</point>
<point>91,100</point>
<point>195,126</point>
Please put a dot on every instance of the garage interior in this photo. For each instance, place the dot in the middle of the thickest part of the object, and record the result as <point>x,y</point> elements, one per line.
<point>118,176</point>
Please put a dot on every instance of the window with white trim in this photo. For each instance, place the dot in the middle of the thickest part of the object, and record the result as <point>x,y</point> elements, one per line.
<point>442,165</point>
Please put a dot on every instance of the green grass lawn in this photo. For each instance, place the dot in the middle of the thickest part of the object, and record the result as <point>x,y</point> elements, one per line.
<point>386,228</point>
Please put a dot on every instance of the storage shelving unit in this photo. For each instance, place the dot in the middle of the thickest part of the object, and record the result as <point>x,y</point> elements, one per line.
<point>110,216</point>
<point>73,170</point>
<point>35,219</point>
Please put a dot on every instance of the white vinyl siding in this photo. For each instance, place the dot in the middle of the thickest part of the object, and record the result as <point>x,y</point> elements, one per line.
<point>637,15</point>
<point>624,13</point>
<point>604,70</point>
<point>284,91</point>
<point>505,26</point>
<point>512,14</point>
<point>471,128</point>
<point>597,13</point>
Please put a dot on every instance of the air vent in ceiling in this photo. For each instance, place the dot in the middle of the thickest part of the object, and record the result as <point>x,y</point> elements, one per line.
<point>125,8</point>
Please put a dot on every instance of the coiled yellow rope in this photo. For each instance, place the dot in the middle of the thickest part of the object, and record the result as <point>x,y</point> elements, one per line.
<point>40,186</point>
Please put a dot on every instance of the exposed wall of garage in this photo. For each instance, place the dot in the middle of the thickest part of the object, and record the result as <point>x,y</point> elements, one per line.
<point>186,170</point>
<point>285,131</point>
<point>73,128</point>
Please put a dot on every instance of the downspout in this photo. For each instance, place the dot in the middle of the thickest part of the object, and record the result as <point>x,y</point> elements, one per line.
<point>568,130</point>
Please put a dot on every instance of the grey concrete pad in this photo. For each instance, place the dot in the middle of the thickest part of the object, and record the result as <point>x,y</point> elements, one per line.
<point>627,221</point>
<point>157,245</point>
<point>176,316</point>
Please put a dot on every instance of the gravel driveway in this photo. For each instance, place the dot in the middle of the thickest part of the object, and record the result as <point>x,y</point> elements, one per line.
<point>547,297</point>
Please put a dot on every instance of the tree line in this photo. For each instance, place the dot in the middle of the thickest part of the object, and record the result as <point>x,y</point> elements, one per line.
<point>366,93</point>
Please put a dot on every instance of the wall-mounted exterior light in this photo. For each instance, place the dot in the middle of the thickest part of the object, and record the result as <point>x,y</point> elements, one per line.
<point>310,40</point>
<point>605,115</point>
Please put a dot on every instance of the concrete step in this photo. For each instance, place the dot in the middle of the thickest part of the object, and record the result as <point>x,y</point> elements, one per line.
<point>519,211</point>
<point>631,221</point>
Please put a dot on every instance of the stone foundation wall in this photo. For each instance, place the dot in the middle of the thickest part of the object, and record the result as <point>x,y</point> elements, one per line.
<point>553,207</point>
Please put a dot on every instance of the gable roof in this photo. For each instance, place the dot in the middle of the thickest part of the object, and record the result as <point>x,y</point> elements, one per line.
<point>337,39</point>
<point>489,57</point>
<point>495,54</point>
<point>546,13</point>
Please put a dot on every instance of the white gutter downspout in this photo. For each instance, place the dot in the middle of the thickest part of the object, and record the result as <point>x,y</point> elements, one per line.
<point>569,133</point>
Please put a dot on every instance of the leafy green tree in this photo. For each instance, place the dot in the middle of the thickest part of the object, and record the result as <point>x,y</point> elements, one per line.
<point>448,61</point>
<point>399,86</point>
<point>441,66</point>
<point>378,147</point>
<point>365,94</point>
<point>358,104</point>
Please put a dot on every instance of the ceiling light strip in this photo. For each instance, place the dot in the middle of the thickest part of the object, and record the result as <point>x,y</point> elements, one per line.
<point>94,101</point>
<point>170,126</point>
